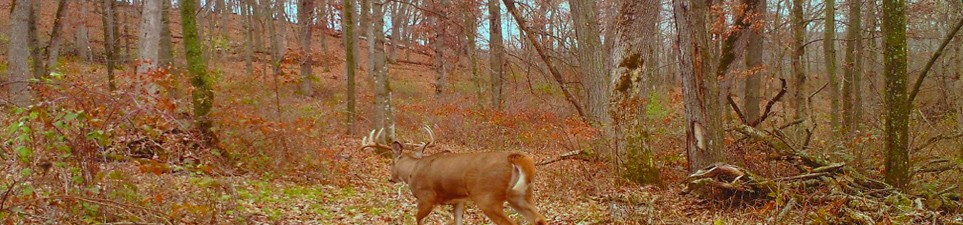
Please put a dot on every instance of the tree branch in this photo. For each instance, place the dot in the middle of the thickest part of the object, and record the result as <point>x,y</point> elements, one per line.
<point>929,64</point>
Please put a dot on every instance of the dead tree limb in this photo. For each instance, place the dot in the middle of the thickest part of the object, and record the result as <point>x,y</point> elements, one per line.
<point>929,64</point>
<point>542,53</point>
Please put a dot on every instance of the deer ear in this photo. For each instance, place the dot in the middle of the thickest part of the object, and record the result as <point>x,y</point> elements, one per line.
<point>397,147</point>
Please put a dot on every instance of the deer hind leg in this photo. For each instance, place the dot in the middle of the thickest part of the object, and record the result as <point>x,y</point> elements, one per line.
<point>493,208</point>
<point>424,208</point>
<point>458,209</point>
<point>523,204</point>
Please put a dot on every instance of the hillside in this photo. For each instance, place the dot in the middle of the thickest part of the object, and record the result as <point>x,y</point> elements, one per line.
<point>92,156</point>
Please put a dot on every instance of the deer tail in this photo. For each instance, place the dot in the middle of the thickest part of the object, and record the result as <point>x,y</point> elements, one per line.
<point>523,167</point>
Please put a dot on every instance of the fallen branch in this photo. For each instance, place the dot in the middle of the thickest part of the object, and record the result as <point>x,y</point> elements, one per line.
<point>103,202</point>
<point>573,155</point>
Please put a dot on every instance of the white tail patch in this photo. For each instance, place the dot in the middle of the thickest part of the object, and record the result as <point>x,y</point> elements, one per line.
<point>520,185</point>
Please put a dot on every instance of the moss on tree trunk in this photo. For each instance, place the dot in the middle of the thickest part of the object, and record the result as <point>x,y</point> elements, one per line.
<point>202,96</point>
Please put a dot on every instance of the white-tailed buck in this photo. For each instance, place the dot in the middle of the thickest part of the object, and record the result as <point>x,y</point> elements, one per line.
<point>488,179</point>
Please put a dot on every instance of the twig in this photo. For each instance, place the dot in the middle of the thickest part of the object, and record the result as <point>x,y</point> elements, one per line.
<point>765,114</point>
<point>937,139</point>
<point>785,210</point>
<point>735,108</point>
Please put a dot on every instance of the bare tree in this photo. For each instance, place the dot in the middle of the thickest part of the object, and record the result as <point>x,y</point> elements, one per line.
<point>754,62</point>
<point>829,53</point>
<point>852,68</point>
<point>496,53</point>
<point>350,60</point>
<point>56,37</point>
<point>202,95</point>
<point>18,71</point>
<point>590,57</point>
<point>896,115</point>
<point>798,100</point>
<point>635,25</point>
<point>306,18</point>
<point>110,40</point>
<point>81,35</point>
<point>384,118</point>
<point>700,87</point>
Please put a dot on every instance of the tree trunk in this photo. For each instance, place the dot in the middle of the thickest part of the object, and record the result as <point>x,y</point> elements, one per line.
<point>56,37</point>
<point>440,45</point>
<point>384,118</point>
<point>350,62</point>
<point>110,45</point>
<point>798,101</point>
<point>852,69</point>
<point>754,62</point>
<point>149,41</point>
<point>496,51</point>
<point>18,71</point>
<point>166,52</point>
<point>82,36</point>
<point>471,51</point>
<point>249,43</point>
<point>957,55</point>
<point>829,52</point>
<point>150,29</point>
<point>202,96</point>
<point>896,117</point>
<point>306,18</point>
<point>276,55</point>
<point>33,42</point>
<point>700,90</point>
<point>635,25</point>
<point>589,51</point>
<point>323,18</point>
<point>396,20</point>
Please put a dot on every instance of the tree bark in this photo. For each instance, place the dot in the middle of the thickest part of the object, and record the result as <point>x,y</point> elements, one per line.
<point>798,100</point>
<point>754,62</point>
<point>635,25</point>
<point>110,39</point>
<point>149,43</point>
<point>852,68</point>
<point>56,37</point>
<point>33,42</point>
<point>440,45</point>
<point>306,18</point>
<point>350,63</point>
<point>829,52</point>
<point>472,52</point>
<point>202,96</point>
<point>82,36</point>
<point>700,90</point>
<point>384,118</point>
<point>590,57</point>
<point>896,115</point>
<point>18,71</point>
<point>497,52</point>
<point>248,16</point>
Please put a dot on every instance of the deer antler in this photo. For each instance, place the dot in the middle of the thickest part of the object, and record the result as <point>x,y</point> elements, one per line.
<point>371,141</point>
<point>423,145</point>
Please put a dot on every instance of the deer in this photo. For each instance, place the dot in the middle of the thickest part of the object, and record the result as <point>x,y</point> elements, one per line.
<point>488,179</point>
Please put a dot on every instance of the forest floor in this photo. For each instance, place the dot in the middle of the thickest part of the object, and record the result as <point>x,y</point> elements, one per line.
<point>285,158</point>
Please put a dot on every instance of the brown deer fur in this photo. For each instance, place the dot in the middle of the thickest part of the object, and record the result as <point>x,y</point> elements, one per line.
<point>489,179</point>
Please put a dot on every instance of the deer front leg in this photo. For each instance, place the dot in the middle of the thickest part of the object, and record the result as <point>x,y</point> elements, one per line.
<point>424,208</point>
<point>458,209</point>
